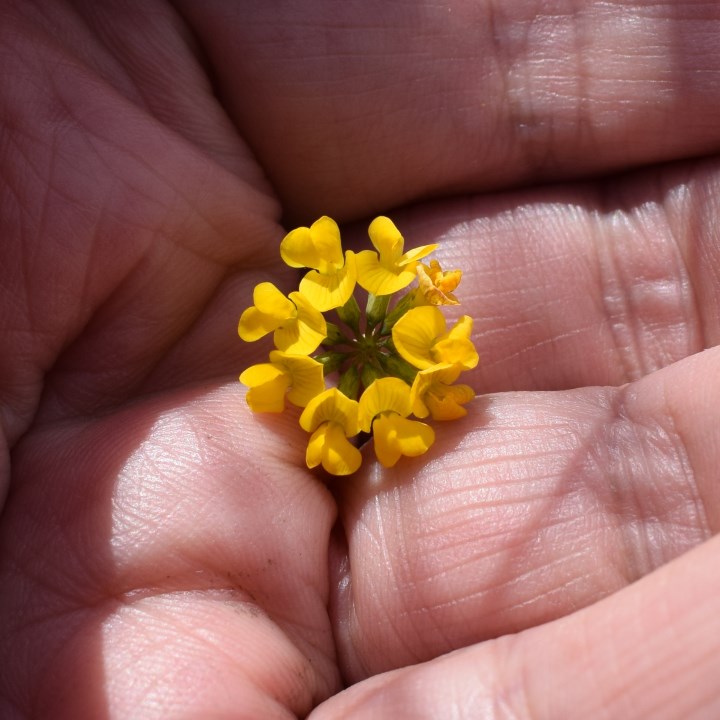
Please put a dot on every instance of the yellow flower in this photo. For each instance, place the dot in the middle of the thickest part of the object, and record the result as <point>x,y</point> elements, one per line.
<point>297,377</point>
<point>433,393</point>
<point>331,282</point>
<point>332,418</point>
<point>384,407</point>
<point>435,286</point>
<point>388,270</point>
<point>422,339</point>
<point>298,326</point>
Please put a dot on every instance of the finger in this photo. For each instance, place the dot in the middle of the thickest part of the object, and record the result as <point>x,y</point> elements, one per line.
<point>531,507</point>
<point>116,229</point>
<point>166,561</point>
<point>598,285</point>
<point>650,651</point>
<point>595,284</point>
<point>362,107</point>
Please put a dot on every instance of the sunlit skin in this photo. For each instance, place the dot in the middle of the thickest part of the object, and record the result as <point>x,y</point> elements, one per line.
<point>166,553</point>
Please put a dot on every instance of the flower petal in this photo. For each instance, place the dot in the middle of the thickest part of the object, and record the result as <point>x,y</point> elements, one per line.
<point>415,333</point>
<point>426,380</point>
<point>387,450</point>
<point>445,280</point>
<point>314,451</point>
<point>458,351</point>
<point>446,402</point>
<point>303,334</point>
<point>456,346</point>
<point>297,338</point>
<point>462,328</point>
<point>340,457</point>
<point>253,324</point>
<point>378,279</point>
<point>326,237</point>
<point>267,383</point>
<point>383,395</point>
<point>412,256</point>
<point>306,376</point>
<point>329,446</point>
<point>298,250</point>
<point>331,406</point>
<point>435,285</point>
<point>330,291</point>
<point>386,239</point>
<point>413,437</point>
<point>316,247</point>
<point>270,301</point>
<point>395,436</point>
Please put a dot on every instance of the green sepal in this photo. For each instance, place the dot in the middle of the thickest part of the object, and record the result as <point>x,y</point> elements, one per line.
<point>349,313</point>
<point>375,310</point>
<point>396,366</point>
<point>349,384</point>
<point>335,336</point>
<point>406,302</point>
<point>331,361</point>
<point>369,374</point>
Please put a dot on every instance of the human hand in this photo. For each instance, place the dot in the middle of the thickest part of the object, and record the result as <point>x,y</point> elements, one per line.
<point>164,553</point>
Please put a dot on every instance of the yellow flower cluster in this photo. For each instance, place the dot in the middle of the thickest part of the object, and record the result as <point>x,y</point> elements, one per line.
<point>392,362</point>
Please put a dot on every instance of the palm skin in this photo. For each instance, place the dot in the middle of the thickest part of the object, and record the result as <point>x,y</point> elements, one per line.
<point>164,553</point>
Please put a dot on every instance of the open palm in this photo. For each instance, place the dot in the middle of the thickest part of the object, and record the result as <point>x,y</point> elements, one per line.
<point>164,553</point>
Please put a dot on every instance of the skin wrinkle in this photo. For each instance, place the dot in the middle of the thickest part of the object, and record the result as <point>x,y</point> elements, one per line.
<point>354,664</point>
<point>537,573</point>
<point>676,284</point>
<point>649,547</point>
<point>138,595</point>
<point>401,577</point>
<point>627,497</point>
<point>405,570</point>
<point>697,256</point>
<point>133,377</point>
<point>539,150</point>
<point>56,28</point>
<point>301,691</point>
<point>702,513</point>
<point>616,309</point>
<point>516,580</point>
<point>188,201</point>
<point>199,633</point>
<point>624,318</point>
<point>498,503</point>
<point>119,54</point>
<point>675,241</point>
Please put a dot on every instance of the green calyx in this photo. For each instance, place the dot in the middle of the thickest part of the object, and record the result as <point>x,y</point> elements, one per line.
<point>359,345</point>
